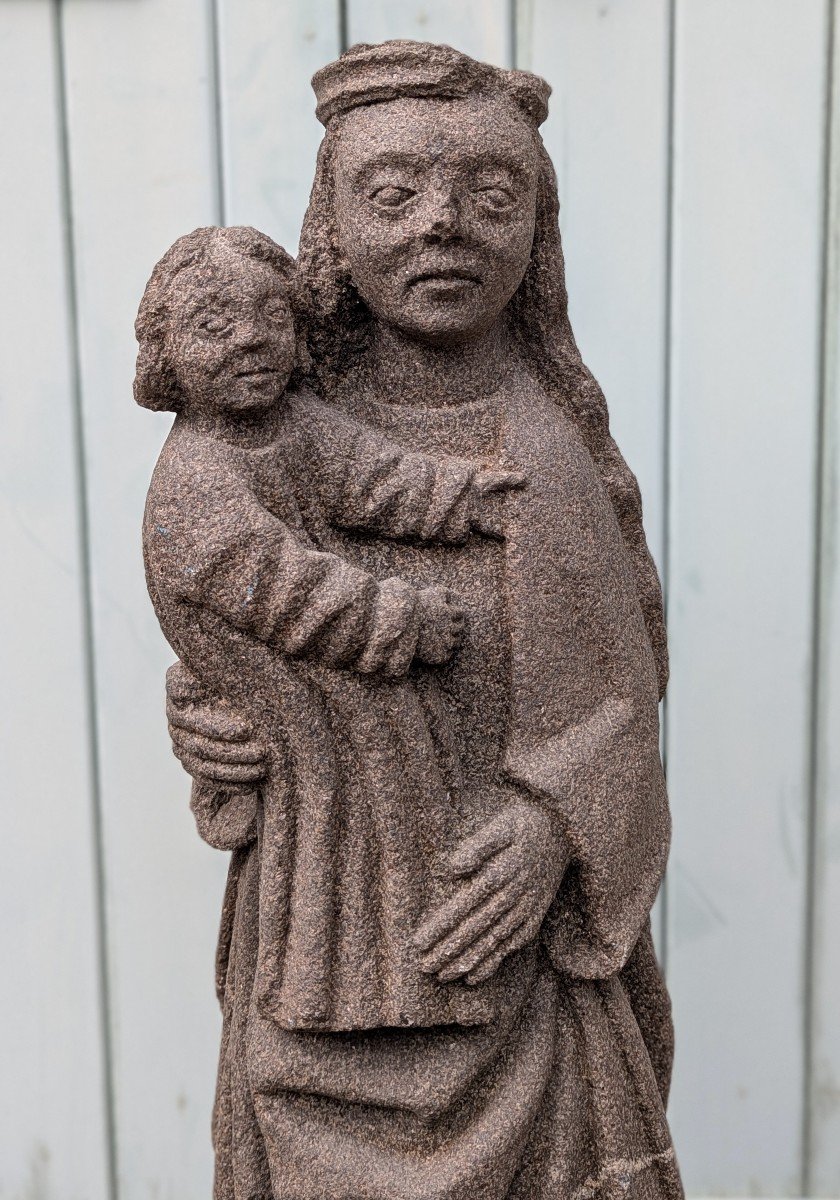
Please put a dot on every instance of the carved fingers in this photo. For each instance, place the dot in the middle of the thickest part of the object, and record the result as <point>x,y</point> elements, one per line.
<point>486,967</point>
<point>488,945</point>
<point>496,835</point>
<point>445,955</point>
<point>218,760</point>
<point>216,772</point>
<point>490,487</point>
<point>492,886</point>
<point>442,623</point>
<point>210,739</point>
<point>496,480</point>
<point>509,871</point>
<point>214,720</point>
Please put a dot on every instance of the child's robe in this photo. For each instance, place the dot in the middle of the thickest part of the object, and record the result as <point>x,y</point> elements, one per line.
<point>361,793</point>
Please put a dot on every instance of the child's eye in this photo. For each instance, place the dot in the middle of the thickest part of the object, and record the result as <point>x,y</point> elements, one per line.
<point>216,324</point>
<point>277,310</point>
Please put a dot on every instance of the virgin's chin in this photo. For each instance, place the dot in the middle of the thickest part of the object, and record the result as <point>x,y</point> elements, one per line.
<point>443,328</point>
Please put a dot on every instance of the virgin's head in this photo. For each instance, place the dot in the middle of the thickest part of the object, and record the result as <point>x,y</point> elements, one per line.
<point>434,208</point>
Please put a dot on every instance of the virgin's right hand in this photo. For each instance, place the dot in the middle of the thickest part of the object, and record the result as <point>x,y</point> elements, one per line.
<point>211,740</point>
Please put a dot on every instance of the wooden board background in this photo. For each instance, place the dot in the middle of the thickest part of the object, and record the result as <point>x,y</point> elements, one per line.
<point>697,144</point>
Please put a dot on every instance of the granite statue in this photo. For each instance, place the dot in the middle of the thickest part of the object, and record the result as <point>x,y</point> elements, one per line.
<point>420,649</point>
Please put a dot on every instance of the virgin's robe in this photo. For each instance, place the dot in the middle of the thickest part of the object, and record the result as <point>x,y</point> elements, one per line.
<point>583,730</point>
<point>559,1090</point>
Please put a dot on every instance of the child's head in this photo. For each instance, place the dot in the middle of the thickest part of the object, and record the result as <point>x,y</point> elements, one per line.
<point>215,325</point>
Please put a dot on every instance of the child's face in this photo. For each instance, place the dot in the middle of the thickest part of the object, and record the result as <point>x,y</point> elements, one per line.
<point>230,336</point>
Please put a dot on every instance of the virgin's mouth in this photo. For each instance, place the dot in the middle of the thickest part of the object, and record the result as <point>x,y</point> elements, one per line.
<point>255,372</point>
<point>445,276</point>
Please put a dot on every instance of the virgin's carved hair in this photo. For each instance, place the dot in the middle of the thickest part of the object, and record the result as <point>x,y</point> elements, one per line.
<point>155,382</point>
<point>338,328</point>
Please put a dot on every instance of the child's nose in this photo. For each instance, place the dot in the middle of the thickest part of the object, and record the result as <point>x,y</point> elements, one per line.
<point>251,332</point>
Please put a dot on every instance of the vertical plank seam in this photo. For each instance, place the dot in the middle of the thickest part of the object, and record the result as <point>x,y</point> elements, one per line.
<point>827,283</point>
<point>57,9</point>
<point>343,27</point>
<point>217,112</point>
<point>523,23</point>
<point>667,392</point>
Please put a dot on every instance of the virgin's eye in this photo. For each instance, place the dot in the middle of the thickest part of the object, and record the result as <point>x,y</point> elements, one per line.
<point>495,198</point>
<point>392,196</point>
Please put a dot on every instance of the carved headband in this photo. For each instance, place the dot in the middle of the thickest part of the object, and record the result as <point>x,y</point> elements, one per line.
<point>367,74</point>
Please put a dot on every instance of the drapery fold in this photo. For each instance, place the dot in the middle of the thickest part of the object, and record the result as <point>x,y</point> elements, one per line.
<point>583,732</point>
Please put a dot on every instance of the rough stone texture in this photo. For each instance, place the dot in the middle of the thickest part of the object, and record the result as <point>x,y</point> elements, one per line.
<point>421,646</point>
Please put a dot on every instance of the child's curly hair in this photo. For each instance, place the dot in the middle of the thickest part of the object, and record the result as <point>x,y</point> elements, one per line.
<point>155,382</point>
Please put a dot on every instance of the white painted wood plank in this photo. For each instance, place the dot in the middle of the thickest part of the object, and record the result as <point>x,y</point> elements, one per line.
<point>143,171</point>
<point>823,1178</point>
<point>607,134</point>
<point>53,1138</point>
<point>268,54</point>
<point>748,182</point>
<point>481,28</point>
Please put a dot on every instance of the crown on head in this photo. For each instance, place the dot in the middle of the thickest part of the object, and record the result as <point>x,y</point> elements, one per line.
<point>367,74</point>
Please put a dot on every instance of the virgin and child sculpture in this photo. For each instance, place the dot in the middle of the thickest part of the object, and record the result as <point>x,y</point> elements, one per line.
<point>420,651</point>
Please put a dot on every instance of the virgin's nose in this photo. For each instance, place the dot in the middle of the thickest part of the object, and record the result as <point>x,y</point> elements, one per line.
<point>444,218</point>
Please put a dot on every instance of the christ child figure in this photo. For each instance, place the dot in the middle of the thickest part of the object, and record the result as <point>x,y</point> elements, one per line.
<point>255,473</point>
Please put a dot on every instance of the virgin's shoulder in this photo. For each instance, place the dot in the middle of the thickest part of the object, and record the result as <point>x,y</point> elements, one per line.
<point>307,417</point>
<point>542,427</point>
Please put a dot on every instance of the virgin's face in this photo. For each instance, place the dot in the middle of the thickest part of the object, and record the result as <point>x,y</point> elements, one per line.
<point>436,203</point>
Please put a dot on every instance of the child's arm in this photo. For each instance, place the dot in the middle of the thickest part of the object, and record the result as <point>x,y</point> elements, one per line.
<point>367,482</point>
<point>209,542</point>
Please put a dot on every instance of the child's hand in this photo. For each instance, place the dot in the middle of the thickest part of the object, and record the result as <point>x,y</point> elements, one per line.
<point>441,625</point>
<point>489,487</point>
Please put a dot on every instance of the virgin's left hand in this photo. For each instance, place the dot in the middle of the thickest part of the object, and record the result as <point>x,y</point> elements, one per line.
<point>510,871</point>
